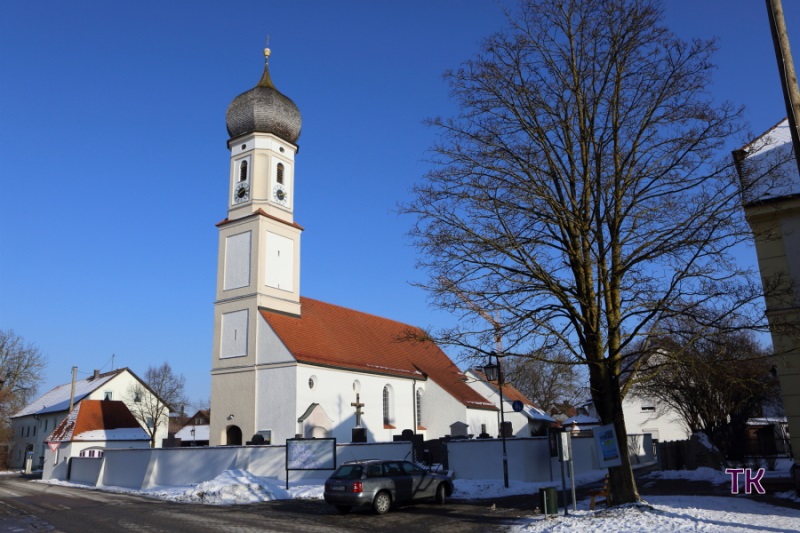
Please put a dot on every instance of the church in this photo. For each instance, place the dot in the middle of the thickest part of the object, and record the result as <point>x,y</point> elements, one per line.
<point>287,366</point>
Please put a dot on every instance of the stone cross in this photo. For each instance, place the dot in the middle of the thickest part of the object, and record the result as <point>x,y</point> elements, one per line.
<point>358,405</point>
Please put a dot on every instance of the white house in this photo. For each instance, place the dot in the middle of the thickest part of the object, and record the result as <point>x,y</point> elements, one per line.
<point>92,427</point>
<point>768,170</point>
<point>284,365</point>
<point>643,415</point>
<point>35,421</point>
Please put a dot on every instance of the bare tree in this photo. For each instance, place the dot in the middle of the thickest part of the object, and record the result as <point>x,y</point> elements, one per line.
<point>21,366</point>
<point>152,402</point>
<point>582,193</point>
<point>716,378</point>
<point>552,385</point>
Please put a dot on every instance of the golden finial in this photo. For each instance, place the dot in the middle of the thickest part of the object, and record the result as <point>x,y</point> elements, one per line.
<point>267,51</point>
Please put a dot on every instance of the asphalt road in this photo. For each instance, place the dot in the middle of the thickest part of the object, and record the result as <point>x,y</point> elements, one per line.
<point>28,506</point>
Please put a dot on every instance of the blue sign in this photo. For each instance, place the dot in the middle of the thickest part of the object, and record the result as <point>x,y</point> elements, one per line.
<point>517,406</point>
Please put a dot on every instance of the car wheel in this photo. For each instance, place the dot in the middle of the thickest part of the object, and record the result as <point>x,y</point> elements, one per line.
<point>343,509</point>
<point>382,502</point>
<point>441,494</point>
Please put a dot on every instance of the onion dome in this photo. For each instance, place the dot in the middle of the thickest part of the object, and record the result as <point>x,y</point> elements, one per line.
<point>264,109</point>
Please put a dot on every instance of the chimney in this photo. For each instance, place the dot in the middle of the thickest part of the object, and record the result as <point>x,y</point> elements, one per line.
<point>96,374</point>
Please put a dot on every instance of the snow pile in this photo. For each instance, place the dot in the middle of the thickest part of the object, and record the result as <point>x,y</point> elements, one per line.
<point>236,487</point>
<point>704,473</point>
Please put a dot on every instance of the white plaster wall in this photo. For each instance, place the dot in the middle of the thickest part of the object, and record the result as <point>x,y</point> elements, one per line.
<point>446,410</point>
<point>270,348</point>
<point>85,470</point>
<point>141,469</point>
<point>664,423</point>
<point>519,422</point>
<point>120,387</point>
<point>231,394</point>
<point>276,402</point>
<point>334,391</point>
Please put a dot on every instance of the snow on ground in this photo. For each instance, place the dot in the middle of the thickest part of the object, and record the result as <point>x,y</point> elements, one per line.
<point>657,514</point>
<point>674,513</point>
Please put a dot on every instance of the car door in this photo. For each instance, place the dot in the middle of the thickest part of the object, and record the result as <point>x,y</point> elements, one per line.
<point>422,485</point>
<point>403,487</point>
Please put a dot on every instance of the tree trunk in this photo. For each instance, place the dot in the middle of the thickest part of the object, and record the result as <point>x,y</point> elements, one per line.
<point>607,400</point>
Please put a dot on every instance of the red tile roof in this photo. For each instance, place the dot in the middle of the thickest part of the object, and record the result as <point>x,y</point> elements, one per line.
<point>334,336</point>
<point>91,415</point>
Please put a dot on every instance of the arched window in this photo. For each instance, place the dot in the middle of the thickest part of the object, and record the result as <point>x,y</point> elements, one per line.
<point>279,176</point>
<point>388,415</point>
<point>419,407</point>
<point>243,171</point>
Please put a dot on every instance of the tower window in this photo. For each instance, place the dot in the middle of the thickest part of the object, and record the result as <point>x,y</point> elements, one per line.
<point>279,177</point>
<point>243,171</point>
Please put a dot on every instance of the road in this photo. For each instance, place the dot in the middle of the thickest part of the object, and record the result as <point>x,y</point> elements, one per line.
<point>28,506</point>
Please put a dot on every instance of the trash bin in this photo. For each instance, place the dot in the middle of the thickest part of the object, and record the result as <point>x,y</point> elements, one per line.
<point>548,498</point>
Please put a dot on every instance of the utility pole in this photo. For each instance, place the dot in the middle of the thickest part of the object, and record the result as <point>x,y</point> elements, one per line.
<point>791,93</point>
<point>72,390</point>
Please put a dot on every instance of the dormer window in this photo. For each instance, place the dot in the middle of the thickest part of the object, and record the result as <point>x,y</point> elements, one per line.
<point>279,177</point>
<point>243,171</point>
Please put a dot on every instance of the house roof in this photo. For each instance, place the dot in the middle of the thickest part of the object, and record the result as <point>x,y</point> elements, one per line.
<point>512,394</point>
<point>337,337</point>
<point>98,420</point>
<point>581,420</point>
<point>767,166</point>
<point>57,399</point>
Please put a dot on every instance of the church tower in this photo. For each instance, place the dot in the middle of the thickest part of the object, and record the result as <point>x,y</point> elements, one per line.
<point>259,248</point>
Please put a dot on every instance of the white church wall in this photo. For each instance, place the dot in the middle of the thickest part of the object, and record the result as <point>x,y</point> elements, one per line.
<point>441,410</point>
<point>336,389</point>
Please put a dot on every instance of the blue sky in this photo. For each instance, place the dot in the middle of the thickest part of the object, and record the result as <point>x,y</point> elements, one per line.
<point>114,166</point>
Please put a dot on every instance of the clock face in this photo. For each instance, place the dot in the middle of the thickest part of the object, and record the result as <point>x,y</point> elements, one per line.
<point>280,195</point>
<point>242,193</point>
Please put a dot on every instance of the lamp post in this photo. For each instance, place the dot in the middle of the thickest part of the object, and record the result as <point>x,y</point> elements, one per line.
<point>495,372</point>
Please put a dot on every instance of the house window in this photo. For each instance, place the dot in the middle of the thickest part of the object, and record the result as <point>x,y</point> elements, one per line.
<point>107,395</point>
<point>648,408</point>
<point>137,397</point>
<point>243,171</point>
<point>312,381</point>
<point>388,408</point>
<point>279,177</point>
<point>419,407</point>
<point>34,431</point>
<point>149,422</point>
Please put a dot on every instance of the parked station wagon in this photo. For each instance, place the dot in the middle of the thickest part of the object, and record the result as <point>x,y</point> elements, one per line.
<point>383,484</point>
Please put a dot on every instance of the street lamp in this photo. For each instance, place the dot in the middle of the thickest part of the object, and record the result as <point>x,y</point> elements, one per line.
<point>495,372</point>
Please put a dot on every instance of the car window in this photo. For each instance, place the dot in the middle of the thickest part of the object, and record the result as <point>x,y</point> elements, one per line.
<point>411,468</point>
<point>392,469</point>
<point>374,471</point>
<point>348,472</point>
